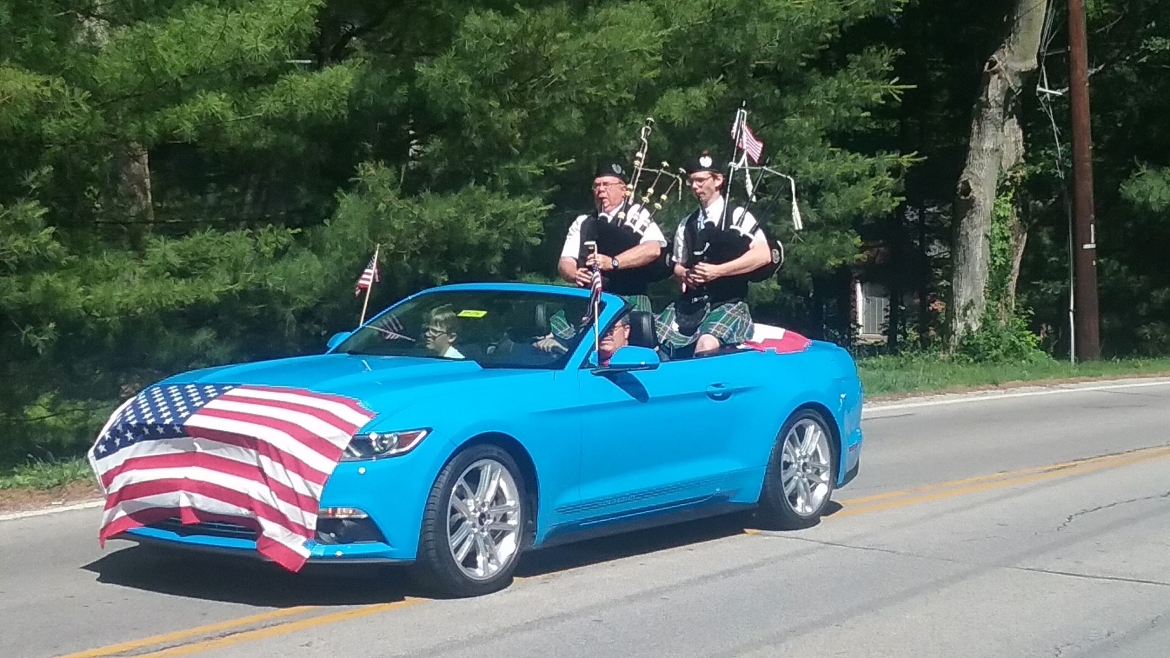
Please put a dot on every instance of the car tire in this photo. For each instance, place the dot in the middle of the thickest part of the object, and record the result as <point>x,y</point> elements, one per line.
<point>801,473</point>
<point>458,540</point>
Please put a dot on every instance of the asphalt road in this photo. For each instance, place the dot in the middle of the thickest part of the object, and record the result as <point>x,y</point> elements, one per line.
<point>1033,525</point>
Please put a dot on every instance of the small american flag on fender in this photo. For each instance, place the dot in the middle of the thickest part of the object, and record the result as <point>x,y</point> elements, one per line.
<point>257,456</point>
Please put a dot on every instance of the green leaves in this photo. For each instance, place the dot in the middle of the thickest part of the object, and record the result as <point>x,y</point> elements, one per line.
<point>429,239</point>
<point>202,44</point>
<point>1148,189</point>
<point>276,143</point>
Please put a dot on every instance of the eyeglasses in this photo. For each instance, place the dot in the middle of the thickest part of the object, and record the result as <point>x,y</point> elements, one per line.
<point>600,186</point>
<point>435,331</point>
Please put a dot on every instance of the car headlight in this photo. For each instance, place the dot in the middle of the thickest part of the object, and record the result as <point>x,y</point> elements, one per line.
<point>379,445</point>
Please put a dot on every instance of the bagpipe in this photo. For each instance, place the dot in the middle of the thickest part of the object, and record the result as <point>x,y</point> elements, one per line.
<point>632,220</point>
<point>719,243</point>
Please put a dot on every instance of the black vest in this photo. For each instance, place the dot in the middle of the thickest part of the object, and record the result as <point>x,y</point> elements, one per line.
<point>614,237</point>
<point>716,244</point>
<point>713,244</point>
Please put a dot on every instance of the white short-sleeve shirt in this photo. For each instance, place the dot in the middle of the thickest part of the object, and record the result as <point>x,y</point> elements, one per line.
<point>741,220</point>
<point>637,218</point>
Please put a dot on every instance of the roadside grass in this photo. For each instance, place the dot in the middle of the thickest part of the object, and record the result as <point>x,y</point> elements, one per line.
<point>881,376</point>
<point>893,375</point>
<point>45,475</point>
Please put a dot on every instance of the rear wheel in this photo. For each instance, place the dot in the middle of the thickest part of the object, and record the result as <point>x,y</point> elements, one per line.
<point>473,526</point>
<point>801,473</point>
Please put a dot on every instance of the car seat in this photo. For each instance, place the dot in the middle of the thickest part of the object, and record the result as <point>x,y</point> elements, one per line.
<point>642,332</point>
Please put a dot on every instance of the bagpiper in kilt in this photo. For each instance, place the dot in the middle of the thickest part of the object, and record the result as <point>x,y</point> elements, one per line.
<point>631,249</point>
<point>715,254</point>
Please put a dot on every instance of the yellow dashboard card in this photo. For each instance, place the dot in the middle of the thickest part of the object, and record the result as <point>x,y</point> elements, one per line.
<point>471,313</point>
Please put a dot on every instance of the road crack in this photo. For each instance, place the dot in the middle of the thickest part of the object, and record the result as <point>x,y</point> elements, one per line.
<point>874,549</point>
<point>1093,638</point>
<point>1068,520</point>
<point>1089,576</point>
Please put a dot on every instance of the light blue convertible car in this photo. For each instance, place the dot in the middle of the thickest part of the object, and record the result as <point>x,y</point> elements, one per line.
<point>495,434</point>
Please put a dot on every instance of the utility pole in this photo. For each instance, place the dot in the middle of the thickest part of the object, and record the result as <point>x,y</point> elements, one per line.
<point>1088,346</point>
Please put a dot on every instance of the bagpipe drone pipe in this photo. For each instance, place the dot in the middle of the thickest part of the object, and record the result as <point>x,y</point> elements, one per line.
<point>626,232</point>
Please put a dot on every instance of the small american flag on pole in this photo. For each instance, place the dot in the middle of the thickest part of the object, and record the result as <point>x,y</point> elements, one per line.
<point>594,295</point>
<point>747,139</point>
<point>369,276</point>
<point>256,456</point>
<point>595,286</point>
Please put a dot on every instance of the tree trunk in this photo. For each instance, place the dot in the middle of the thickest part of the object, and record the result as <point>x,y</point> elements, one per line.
<point>896,272</point>
<point>131,158</point>
<point>134,174</point>
<point>1019,241</point>
<point>924,279</point>
<point>1013,157</point>
<point>1003,77</point>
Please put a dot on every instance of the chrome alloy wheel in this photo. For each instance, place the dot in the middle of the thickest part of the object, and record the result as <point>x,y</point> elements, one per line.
<point>806,466</point>
<point>483,519</point>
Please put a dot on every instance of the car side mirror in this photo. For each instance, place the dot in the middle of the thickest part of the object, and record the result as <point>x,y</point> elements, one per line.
<point>630,358</point>
<point>337,339</point>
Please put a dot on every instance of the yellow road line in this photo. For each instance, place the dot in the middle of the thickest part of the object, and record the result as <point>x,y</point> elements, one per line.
<point>281,629</point>
<point>998,476</point>
<point>189,633</point>
<point>1022,477</point>
<point>854,507</point>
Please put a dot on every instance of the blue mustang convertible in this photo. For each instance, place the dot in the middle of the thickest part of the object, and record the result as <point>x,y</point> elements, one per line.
<point>497,431</point>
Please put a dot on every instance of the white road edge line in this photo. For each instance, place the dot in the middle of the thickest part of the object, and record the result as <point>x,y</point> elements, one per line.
<point>1030,391</point>
<point>89,504</point>
<point>931,400</point>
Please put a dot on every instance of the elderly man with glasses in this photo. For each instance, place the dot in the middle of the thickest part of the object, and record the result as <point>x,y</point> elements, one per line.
<point>629,244</point>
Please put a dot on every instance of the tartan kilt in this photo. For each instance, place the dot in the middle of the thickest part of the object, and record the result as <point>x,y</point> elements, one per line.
<point>640,302</point>
<point>730,322</point>
<point>565,330</point>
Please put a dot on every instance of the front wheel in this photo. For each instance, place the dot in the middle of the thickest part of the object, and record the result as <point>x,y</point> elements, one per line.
<point>473,525</point>
<point>800,474</point>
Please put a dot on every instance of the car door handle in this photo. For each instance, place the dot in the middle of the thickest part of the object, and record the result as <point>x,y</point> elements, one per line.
<point>719,391</point>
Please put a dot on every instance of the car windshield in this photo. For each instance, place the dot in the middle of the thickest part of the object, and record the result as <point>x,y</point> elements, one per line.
<point>494,328</point>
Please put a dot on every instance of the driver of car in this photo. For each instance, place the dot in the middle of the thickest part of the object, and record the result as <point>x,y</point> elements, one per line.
<point>441,330</point>
<point>617,337</point>
<point>613,340</point>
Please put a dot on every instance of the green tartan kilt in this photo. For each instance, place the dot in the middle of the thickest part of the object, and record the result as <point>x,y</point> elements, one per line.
<point>565,330</point>
<point>730,322</point>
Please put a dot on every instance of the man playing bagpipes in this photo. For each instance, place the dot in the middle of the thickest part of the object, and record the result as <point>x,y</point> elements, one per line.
<point>716,253</point>
<point>630,246</point>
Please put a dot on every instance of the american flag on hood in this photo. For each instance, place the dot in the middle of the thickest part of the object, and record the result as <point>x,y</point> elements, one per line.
<point>255,456</point>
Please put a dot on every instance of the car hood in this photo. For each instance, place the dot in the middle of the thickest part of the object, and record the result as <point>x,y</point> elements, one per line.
<point>383,384</point>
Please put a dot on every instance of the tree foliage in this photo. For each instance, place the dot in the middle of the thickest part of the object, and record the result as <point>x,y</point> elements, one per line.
<point>184,184</point>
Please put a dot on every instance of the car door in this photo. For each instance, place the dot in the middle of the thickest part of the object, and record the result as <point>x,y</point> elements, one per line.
<point>656,438</point>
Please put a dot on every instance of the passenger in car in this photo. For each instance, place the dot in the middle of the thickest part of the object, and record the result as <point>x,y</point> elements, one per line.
<point>716,249</point>
<point>441,330</point>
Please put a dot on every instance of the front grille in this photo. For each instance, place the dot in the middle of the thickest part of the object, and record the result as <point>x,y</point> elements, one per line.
<point>209,528</point>
<point>329,531</point>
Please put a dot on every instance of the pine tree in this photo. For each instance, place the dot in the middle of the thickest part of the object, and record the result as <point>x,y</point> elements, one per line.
<point>186,184</point>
